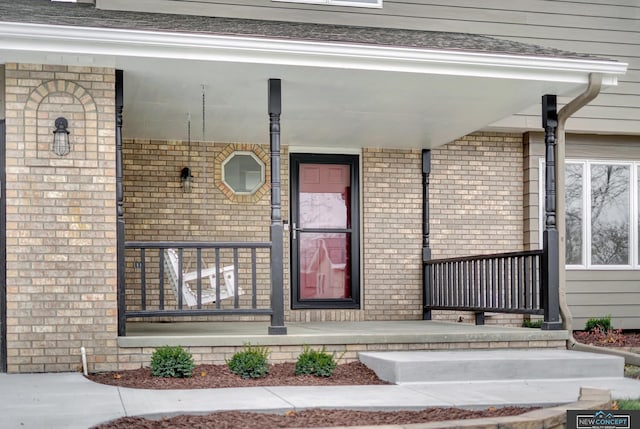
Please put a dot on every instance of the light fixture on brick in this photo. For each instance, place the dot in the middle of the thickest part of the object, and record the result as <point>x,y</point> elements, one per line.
<point>186,178</point>
<point>61,145</point>
<point>185,175</point>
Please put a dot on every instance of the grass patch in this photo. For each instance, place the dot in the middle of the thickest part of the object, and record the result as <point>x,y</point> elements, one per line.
<point>628,404</point>
<point>632,371</point>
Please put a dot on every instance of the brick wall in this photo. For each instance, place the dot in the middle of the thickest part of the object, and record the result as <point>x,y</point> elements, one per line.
<point>477,195</point>
<point>392,242</point>
<point>476,207</point>
<point>61,237</point>
<point>476,200</point>
<point>531,218</point>
<point>157,209</point>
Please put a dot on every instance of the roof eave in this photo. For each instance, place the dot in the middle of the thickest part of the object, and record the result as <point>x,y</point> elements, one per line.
<point>105,45</point>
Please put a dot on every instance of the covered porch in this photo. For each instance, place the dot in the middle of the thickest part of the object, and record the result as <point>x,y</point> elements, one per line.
<point>479,87</point>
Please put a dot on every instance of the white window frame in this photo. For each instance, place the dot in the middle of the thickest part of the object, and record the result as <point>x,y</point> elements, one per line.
<point>634,176</point>
<point>352,3</point>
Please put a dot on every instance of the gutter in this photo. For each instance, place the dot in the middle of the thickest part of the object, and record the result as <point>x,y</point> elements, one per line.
<point>592,91</point>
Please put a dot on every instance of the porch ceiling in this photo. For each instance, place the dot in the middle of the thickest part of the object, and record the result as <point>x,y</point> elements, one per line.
<point>342,95</point>
<point>322,107</point>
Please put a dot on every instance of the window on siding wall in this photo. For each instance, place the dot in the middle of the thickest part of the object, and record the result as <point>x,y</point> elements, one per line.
<point>357,3</point>
<point>601,212</point>
<point>610,192</point>
<point>574,208</point>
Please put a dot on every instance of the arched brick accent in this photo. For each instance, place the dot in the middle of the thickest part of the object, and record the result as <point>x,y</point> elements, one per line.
<point>65,98</point>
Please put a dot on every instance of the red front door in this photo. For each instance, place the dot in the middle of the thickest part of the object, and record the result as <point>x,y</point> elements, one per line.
<point>324,246</point>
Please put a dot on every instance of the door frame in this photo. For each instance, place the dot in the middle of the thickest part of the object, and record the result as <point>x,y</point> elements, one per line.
<point>295,159</point>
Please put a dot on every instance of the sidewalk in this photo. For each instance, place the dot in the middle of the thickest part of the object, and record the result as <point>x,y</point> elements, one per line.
<point>70,401</point>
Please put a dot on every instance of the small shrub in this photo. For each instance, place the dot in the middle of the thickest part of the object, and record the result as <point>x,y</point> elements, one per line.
<point>531,323</point>
<point>316,362</point>
<point>251,362</point>
<point>603,324</point>
<point>171,362</point>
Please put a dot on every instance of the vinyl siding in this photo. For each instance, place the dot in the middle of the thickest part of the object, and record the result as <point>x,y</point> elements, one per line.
<point>610,30</point>
<point>601,293</point>
<point>597,293</point>
<point>590,293</point>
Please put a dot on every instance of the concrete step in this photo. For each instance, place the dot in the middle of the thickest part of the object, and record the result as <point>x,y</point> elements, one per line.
<point>496,364</point>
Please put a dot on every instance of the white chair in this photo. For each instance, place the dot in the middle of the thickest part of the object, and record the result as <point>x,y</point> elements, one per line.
<point>189,281</point>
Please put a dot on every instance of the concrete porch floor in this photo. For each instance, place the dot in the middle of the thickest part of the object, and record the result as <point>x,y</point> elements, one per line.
<point>433,334</point>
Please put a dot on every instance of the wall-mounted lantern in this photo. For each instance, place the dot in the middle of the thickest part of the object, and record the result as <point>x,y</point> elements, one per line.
<point>61,145</point>
<point>186,179</point>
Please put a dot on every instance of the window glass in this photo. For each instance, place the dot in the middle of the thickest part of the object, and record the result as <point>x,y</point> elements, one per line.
<point>574,213</point>
<point>610,203</point>
<point>243,172</point>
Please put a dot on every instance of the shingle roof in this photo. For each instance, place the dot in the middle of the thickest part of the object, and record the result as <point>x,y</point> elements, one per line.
<point>86,15</point>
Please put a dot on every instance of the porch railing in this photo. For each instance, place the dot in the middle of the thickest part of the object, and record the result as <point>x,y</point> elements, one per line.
<point>500,283</point>
<point>148,292</point>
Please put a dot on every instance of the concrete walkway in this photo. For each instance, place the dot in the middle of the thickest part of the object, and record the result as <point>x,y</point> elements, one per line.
<point>69,400</point>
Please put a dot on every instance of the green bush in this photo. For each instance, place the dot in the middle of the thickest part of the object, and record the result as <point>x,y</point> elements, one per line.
<point>603,324</point>
<point>171,362</point>
<point>316,362</point>
<point>251,362</point>
<point>531,323</point>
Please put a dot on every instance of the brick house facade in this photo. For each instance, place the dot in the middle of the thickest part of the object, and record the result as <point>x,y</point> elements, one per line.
<point>61,237</point>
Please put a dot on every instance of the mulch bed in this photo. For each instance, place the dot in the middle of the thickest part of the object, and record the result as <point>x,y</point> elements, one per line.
<point>282,374</point>
<point>308,419</point>
<point>217,376</point>
<point>611,338</point>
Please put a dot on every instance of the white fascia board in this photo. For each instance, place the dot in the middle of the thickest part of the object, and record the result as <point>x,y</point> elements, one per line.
<point>113,43</point>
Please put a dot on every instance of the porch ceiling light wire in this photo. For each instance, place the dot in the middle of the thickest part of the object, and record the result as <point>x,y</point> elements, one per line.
<point>204,152</point>
<point>188,263</point>
<point>189,138</point>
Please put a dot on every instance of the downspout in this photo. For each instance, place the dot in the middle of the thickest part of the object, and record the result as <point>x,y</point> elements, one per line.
<point>592,91</point>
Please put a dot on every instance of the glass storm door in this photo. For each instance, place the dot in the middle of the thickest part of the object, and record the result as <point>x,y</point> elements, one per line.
<point>324,231</point>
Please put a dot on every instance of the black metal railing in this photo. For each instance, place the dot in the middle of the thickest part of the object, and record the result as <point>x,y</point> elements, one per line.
<point>154,286</point>
<point>500,283</point>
